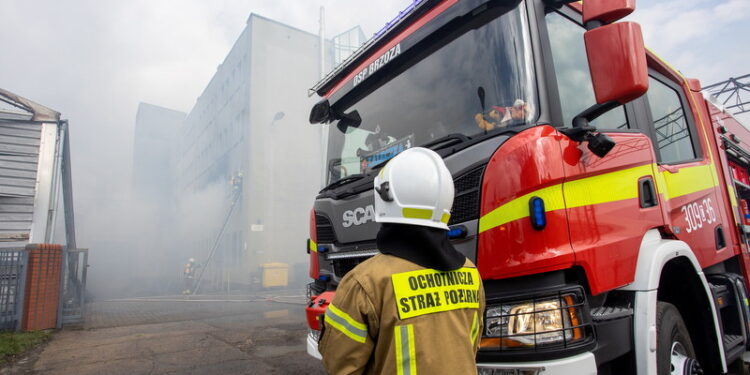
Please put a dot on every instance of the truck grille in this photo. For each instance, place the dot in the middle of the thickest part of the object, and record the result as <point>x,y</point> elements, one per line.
<point>466,203</point>
<point>345,261</point>
<point>342,266</point>
<point>325,231</point>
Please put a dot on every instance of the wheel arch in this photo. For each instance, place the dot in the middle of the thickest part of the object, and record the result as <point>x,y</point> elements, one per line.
<point>662,265</point>
<point>681,286</point>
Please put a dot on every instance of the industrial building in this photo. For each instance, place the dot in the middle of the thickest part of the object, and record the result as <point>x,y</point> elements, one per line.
<point>154,152</point>
<point>248,162</point>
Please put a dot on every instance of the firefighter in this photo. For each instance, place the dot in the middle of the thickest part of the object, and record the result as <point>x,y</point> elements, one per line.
<point>189,275</point>
<point>417,306</point>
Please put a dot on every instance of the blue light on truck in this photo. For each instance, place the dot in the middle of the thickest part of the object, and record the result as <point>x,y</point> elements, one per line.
<point>537,214</point>
<point>395,20</point>
<point>457,232</point>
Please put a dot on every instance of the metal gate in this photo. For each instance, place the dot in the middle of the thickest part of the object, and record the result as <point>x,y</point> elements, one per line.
<point>73,296</point>
<point>13,263</point>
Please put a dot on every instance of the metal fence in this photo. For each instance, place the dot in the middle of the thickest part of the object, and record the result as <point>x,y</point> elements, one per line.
<point>73,296</point>
<point>13,266</point>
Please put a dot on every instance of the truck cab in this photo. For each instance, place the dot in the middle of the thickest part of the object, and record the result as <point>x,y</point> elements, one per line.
<point>592,183</point>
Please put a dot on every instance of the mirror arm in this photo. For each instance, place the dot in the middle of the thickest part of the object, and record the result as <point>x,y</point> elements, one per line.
<point>593,112</point>
<point>557,4</point>
<point>593,24</point>
<point>598,143</point>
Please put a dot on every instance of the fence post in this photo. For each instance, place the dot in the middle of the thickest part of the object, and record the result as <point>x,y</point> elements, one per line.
<point>43,287</point>
<point>22,263</point>
<point>20,297</point>
<point>84,272</point>
<point>63,279</point>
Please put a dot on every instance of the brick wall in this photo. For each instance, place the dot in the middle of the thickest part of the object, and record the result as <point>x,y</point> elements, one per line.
<point>42,294</point>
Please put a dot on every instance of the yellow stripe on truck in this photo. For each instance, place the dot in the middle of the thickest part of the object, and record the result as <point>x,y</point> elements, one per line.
<point>686,181</point>
<point>519,207</point>
<point>604,188</point>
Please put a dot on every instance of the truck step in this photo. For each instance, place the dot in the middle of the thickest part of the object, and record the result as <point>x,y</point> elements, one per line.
<point>729,295</point>
<point>722,295</point>
<point>730,341</point>
<point>604,313</point>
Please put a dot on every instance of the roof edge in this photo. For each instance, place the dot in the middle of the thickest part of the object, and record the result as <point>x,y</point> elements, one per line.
<point>40,112</point>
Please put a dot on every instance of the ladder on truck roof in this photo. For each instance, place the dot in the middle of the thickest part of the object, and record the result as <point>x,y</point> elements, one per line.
<point>733,94</point>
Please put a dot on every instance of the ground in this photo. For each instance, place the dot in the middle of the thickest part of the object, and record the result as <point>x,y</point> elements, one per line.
<point>13,344</point>
<point>206,335</point>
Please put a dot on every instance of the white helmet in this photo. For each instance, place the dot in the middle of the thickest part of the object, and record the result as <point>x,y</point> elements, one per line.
<point>415,187</point>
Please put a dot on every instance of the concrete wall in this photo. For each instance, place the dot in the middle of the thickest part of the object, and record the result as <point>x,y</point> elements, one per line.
<point>285,154</point>
<point>231,130</point>
<point>154,152</point>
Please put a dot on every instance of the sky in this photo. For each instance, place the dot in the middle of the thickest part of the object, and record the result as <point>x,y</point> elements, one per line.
<point>95,60</point>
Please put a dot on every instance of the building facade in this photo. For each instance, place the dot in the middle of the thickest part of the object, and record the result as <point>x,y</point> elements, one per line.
<point>153,204</point>
<point>154,151</point>
<point>249,161</point>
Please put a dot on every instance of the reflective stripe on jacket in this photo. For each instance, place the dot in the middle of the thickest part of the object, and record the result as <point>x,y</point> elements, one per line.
<point>391,316</point>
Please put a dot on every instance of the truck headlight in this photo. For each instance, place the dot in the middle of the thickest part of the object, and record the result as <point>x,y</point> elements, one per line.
<point>539,322</point>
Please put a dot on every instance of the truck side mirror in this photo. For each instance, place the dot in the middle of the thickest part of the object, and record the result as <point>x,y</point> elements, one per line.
<point>606,11</point>
<point>616,54</point>
<point>617,61</point>
<point>321,112</point>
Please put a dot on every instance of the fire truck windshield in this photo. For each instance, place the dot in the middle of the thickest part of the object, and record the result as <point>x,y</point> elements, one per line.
<point>479,82</point>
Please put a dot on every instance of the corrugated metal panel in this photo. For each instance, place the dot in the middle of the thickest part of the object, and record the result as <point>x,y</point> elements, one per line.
<point>19,155</point>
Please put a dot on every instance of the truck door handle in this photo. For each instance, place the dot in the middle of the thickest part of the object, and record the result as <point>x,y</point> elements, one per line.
<point>646,192</point>
<point>669,168</point>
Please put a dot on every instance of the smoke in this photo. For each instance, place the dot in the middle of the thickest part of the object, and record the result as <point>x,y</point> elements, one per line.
<point>94,61</point>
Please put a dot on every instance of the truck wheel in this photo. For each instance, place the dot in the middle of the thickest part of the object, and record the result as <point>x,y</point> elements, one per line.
<point>674,350</point>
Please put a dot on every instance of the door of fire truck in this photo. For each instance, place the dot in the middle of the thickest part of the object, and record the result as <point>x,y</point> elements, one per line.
<point>687,176</point>
<point>611,201</point>
<point>688,173</point>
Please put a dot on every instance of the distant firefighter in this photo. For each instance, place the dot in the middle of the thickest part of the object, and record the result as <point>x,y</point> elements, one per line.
<point>189,275</point>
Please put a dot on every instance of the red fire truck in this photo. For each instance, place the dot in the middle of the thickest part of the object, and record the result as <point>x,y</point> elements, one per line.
<point>602,197</point>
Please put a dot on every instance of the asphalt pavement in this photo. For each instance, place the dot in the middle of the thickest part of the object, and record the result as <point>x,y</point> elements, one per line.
<point>241,334</point>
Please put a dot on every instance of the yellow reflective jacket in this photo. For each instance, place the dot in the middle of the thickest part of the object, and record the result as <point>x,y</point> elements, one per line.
<point>391,316</point>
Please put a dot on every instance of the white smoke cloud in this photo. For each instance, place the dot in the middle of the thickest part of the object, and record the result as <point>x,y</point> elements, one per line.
<point>94,61</point>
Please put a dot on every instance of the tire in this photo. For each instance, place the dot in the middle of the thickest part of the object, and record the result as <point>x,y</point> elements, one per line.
<point>673,342</point>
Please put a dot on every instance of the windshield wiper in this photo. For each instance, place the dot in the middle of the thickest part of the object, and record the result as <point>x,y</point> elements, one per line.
<point>447,141</point>
<point>343,181</point>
